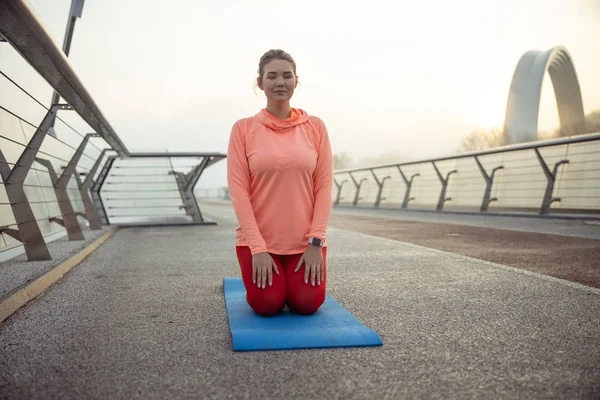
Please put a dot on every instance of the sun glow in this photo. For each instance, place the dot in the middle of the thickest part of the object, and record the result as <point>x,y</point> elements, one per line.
<point>489,113</point>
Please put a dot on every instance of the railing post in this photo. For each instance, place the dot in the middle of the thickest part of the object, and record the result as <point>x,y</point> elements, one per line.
<point>89,179</point>
<point>186,184</point>
<point>98,186</point>
<point>551,178</point>
<point>408,183</point>
<point>380,187</point>
<point>443,198</point>
<point>226,194</point>
<point>91,214</point>
<point>13,233</point>
<point>68,172</point>
<point>192,177</point>
<point>193,180</point>
<point>339,188</point>
<point>69,219</point>
<point>358,186</point>
<point>29,232</point>
<point>489,180</point>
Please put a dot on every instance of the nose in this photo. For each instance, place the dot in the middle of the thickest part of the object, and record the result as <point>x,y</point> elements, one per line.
<point>280,82</point>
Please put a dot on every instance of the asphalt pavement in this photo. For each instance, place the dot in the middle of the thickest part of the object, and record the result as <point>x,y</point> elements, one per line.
<point>143,317</point>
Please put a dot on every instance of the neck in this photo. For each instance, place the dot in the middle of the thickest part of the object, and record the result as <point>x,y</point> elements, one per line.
<point>281,110</point>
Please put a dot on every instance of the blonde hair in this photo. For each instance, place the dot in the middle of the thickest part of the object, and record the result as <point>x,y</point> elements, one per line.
<point>271,55</point>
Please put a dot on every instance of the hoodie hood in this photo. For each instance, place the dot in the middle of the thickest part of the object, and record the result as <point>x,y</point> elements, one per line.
<point>298,117</point>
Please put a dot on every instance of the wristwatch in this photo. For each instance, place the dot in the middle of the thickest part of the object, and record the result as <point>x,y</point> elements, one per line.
<point>315,242</point>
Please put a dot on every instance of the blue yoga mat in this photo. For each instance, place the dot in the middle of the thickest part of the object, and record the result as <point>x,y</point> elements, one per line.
<point>330,326</point>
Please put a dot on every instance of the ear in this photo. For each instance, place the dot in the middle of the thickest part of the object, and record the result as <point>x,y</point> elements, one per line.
<point>296,85</point>
<point>259,84</point>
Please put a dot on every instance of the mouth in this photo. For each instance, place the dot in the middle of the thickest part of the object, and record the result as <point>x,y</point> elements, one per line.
<point>280,91</point>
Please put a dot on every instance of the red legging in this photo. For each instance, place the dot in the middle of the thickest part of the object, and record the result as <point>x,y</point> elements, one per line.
<point>288,287</point>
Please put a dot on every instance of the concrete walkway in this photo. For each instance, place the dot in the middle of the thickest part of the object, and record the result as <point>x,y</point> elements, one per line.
<point>527,223</point>
<point>17,271</point>
<point>144,317</point>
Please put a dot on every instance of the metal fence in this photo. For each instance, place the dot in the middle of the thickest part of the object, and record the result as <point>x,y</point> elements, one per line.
<point>221,193</point>
<point>555,176</point>
<point>151,188</point>
<point>57,179</point>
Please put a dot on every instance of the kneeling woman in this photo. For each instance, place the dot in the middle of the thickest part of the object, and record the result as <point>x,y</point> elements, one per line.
<point>280,176</point>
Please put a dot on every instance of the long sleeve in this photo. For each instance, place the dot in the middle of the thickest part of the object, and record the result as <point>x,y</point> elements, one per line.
<point>238,181</point>
<point>323,185</point>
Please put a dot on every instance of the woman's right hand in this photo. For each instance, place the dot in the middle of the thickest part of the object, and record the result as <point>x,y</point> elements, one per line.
<point>262,269</point>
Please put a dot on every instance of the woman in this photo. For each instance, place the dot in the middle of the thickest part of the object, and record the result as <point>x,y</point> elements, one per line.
<point>280,175</point>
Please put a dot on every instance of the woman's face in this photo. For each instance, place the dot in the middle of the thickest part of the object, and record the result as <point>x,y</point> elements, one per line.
<point>278,80</point>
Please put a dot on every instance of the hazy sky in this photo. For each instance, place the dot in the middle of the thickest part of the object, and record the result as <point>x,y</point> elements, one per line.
<point>404,76</point>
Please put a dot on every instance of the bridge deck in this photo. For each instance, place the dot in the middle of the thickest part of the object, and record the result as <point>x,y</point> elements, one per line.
<point>144,317</point>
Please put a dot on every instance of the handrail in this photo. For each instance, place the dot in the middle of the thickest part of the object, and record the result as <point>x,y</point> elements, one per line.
<point>23,30</point>
<point>176,154</point>
<point>497,150</point>
<point>185,182</point>
<point>31,40</point>
<point>552,167</point>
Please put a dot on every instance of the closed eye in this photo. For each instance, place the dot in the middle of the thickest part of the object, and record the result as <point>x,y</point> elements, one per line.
<point>287,75</point>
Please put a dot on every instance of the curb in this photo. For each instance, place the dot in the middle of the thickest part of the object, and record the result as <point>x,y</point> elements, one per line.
<point>24,295</point>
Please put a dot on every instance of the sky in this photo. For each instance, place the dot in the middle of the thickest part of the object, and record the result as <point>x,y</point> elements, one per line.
<point>407,77</point>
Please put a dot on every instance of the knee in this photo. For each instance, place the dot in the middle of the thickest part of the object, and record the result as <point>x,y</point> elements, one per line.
<point>267,304</point>
<point>306,303</point>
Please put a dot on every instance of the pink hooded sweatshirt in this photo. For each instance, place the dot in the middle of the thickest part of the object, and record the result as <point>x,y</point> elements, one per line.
<point>280,177</point>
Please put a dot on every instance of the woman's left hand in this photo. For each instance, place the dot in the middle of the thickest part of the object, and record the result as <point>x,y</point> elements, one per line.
<point>313,265</point>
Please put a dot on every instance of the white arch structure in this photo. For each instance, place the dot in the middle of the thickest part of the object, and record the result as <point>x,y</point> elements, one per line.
<point>522,109</point>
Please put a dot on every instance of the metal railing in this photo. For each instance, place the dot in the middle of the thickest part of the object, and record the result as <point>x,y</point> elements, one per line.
<point>561,175</point>
<point>221,193</point>
<point>52,185</point>
<point>151,188</point>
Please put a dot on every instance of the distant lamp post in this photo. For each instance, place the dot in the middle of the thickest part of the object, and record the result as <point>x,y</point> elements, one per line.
<point>76,12</point>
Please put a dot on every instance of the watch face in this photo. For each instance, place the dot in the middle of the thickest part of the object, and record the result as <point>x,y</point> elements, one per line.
<point>316,242</point>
